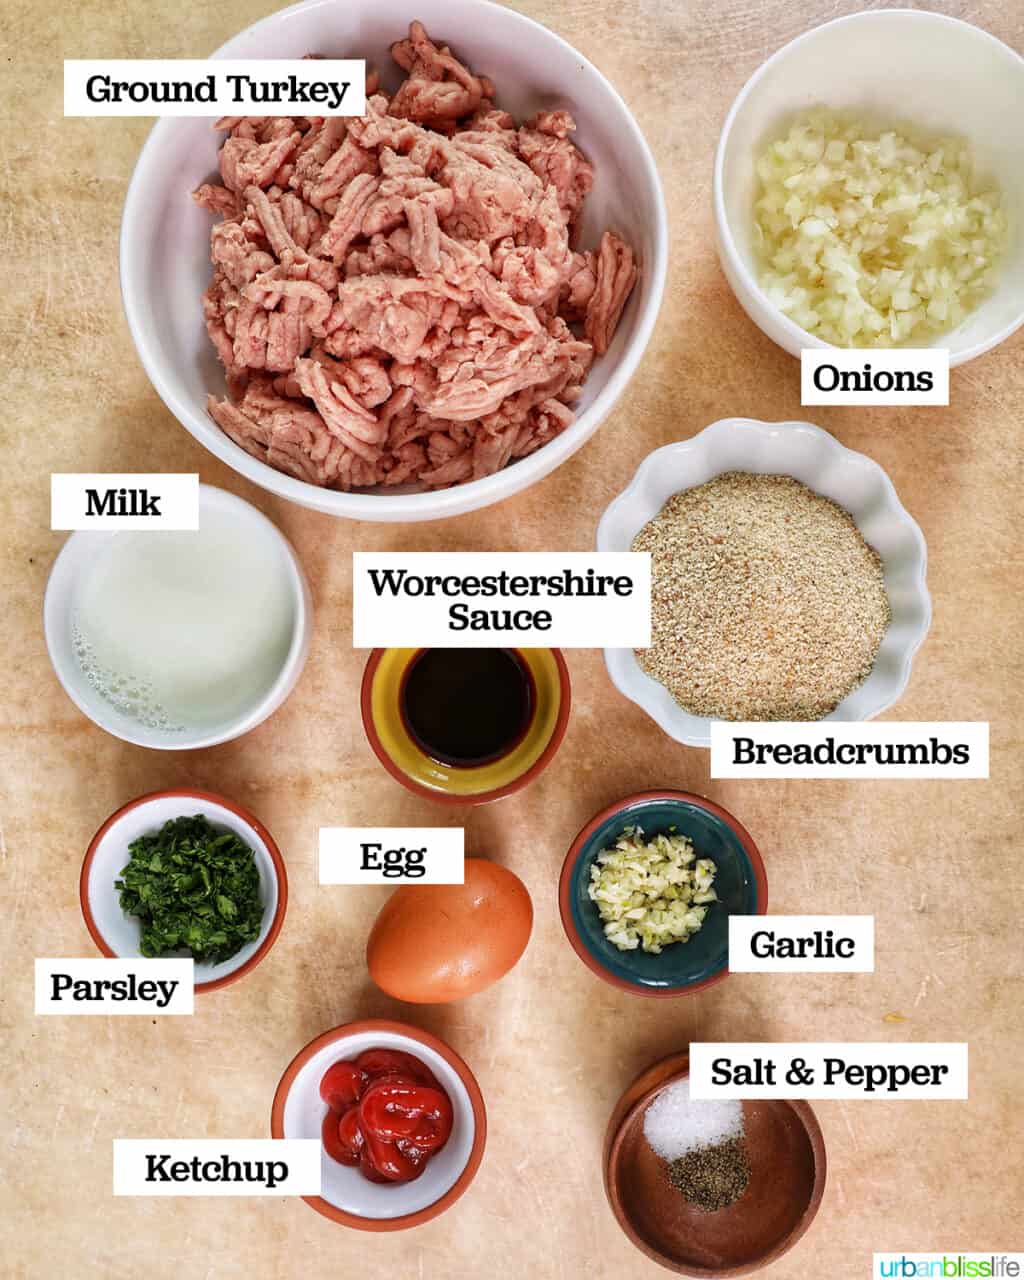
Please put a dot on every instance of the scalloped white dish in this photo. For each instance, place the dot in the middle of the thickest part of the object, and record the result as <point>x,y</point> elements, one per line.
<point>813,457</point>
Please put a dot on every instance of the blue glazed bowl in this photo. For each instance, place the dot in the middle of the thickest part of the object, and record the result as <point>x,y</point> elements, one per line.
<point>739,882</point>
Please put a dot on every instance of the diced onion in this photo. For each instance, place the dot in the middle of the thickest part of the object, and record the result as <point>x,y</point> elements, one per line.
<point>871,238</point>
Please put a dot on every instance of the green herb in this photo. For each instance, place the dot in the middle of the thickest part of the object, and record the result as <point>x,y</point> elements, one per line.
<point>194,888</point>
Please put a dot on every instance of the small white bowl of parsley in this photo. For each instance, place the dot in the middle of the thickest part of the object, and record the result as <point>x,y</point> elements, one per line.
<point>185,873</point>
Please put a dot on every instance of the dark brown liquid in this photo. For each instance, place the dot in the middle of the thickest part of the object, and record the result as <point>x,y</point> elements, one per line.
<point>467,706</point>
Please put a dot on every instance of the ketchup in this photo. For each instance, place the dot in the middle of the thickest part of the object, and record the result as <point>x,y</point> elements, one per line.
<point>387,1114</point>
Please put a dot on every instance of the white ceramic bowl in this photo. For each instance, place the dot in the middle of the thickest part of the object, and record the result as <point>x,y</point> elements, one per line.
<point>816,459</point>
<point>346,1196</point>
<point>165,249</point>
<point>117,934</point>
<point>59,606</point>
<point>912,66</point>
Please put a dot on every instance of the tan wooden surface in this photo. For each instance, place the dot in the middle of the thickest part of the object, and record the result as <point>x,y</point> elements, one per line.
<point>938,864</point>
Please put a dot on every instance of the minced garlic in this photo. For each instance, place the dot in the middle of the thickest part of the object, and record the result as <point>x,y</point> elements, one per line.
<point>651,893</point>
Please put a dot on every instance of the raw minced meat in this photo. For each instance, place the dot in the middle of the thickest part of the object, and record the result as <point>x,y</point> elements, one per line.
<point>399,298</point>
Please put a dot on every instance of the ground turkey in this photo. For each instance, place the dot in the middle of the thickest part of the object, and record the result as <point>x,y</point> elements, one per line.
<point>398,298</point>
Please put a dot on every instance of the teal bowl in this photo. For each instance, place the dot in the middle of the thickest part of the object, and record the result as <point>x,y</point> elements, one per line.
<point>739,882</point>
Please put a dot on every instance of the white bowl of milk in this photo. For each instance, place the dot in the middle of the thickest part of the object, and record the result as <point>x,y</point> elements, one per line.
<point>178,640</point>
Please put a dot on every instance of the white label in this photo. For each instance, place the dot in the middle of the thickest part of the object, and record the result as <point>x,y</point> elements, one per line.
<point>210,1167</point>
<point>464,600</point>
<point>218,87</point>
<point>133,986</point>
<point>381,855</point>
<point>823,1071</point>
<point>899,375</point>
<point>801,944</point>
<point>107,500</point>
<point>954,1266</point>
<point>849,749</point>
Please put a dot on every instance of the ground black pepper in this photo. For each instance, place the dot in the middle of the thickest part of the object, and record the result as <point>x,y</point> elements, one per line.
<point>712,1177</point>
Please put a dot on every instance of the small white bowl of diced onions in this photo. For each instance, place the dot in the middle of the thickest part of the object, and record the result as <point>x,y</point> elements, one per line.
<point>869,187</point>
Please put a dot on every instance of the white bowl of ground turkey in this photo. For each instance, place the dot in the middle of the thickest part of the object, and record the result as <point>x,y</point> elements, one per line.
<point>850,480</point>
<point>165,254</point>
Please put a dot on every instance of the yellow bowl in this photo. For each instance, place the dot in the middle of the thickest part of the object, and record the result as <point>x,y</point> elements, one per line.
<point>406,761</point>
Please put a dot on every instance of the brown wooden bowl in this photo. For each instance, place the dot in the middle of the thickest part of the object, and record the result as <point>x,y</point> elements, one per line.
<point>787,1180</point>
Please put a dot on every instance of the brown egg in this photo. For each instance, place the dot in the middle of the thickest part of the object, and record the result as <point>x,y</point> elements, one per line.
<point>433,943</point>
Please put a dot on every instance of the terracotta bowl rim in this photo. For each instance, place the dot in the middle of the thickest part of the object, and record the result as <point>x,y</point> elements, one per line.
<point>615,1137</point>
<point>482,797</point>
<point>211,797</point>
<point>457,1064</point>
<point>568,867</point>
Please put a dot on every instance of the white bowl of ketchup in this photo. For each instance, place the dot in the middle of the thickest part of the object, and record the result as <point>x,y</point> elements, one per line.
<point>347,1196</point>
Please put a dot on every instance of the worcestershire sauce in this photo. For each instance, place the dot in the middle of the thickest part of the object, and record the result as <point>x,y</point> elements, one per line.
<point>467,706</point>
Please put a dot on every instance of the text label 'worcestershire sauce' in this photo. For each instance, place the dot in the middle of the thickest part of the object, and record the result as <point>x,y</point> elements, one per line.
<point>467,706</point>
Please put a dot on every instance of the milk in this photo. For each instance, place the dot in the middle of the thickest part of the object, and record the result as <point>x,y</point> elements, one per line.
<point>185,631</point>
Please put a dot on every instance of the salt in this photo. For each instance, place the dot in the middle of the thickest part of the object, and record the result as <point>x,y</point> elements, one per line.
<point>675,1123</point>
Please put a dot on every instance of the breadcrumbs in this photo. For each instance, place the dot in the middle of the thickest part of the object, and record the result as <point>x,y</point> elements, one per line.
<point>767,603</point>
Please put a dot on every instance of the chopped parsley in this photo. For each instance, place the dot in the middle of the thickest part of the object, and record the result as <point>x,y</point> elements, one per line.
<point>194,888</point>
